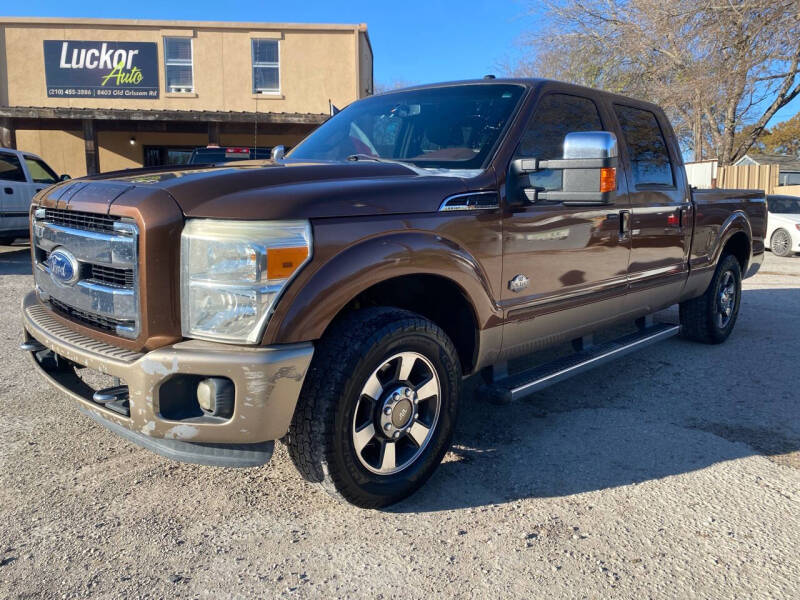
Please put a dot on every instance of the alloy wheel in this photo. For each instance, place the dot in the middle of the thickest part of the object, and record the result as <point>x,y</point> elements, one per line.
<point>396,413</point>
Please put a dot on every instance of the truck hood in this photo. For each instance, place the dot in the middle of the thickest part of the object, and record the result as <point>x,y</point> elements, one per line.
<point>296,190</point>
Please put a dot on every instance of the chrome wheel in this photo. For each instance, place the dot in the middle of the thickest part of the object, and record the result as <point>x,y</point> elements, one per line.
<point>396,413</point>
<point>726,299</point>
<point>781,243</point>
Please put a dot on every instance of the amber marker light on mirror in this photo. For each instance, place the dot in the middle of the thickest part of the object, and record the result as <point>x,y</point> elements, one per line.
<point>608,179</point>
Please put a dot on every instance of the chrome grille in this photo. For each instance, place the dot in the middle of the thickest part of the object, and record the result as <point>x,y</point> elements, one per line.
<point>111,275</point>
<point>80,220</point>
<point>103,250</point>
<point>98,321</point>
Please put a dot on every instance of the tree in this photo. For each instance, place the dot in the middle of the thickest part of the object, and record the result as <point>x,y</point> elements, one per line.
<point>784,138</point>
<point>720,68</point>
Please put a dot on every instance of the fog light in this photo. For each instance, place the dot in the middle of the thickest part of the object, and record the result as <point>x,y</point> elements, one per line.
<point>215,396</point>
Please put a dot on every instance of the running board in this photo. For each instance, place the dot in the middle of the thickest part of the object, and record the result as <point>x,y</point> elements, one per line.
<point>519,385</point>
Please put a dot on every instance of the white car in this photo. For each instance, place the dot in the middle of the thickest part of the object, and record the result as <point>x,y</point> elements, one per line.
<point>22,174</point>
<point>783,224</point>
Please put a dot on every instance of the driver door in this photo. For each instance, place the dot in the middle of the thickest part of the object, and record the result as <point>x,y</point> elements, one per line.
<point>574,258</point>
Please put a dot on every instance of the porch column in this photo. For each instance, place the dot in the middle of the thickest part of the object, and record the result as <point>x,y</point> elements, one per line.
<point>8,133</point>
<point>90,147</point>
<point>213,133</point>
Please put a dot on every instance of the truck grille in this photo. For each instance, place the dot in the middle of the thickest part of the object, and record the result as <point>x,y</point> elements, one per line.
<point>80,220</point>
<point>87,318</point>
<point>85,266</point>
<point>112,276</point>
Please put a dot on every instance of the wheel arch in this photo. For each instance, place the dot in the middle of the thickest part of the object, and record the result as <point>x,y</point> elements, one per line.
<point>416,271</point>
<point>735,237</point>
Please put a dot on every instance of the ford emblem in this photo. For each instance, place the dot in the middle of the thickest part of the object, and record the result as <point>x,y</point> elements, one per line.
<point>63,267</point>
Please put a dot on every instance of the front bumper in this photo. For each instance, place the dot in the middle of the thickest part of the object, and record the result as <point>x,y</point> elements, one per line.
<point>267,385</point>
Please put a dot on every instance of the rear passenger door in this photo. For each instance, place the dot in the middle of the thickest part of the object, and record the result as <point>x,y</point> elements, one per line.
<point>14,200</point>
<point>660,227</point>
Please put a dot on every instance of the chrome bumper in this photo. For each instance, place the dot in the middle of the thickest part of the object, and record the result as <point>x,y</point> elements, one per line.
<point>267,381</point>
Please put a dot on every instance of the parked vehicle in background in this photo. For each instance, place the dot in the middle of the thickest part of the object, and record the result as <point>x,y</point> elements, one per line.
<point>215,155</point>
<point>22,175</point>
<point>336,298</point>
<point>783,226</point>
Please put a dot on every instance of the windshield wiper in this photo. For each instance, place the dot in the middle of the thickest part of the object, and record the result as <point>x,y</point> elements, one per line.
<point>355,157</point>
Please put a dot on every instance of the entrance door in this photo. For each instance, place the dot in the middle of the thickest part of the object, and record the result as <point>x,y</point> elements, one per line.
<point>575,258</point>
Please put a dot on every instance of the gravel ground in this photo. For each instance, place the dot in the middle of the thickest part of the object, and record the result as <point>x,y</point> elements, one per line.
<point>670,473</point>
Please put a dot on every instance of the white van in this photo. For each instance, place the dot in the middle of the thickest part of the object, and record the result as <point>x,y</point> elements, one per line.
<point>22,174</point>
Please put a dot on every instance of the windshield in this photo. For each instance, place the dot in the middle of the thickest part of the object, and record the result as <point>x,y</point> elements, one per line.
<point>783,205</point>
<point>454,127</point>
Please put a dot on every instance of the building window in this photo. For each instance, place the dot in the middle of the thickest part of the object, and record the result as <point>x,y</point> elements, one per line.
<point>178,64</point>
<point>266,67</point>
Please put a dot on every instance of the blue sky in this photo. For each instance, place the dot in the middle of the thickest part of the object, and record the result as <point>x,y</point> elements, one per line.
<point>413,41</point>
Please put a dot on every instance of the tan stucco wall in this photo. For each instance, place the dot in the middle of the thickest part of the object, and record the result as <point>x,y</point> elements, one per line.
<point>62,150</point>
<point>315,65</point>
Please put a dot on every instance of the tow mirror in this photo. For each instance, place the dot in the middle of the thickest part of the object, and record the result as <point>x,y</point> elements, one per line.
<point>588,172</point>
<point>278,153</point>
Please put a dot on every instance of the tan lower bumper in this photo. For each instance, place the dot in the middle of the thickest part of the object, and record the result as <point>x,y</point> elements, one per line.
<point>267,381</point>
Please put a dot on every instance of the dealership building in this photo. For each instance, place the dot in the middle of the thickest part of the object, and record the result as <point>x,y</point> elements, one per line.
<point>91,95</point>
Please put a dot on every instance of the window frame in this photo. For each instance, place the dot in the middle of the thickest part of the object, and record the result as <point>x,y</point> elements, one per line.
<point>622,137</point>
<point>178,63</point>
<point>254,65</point>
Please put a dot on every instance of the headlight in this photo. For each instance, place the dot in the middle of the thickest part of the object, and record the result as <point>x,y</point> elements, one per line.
<point>232,272</point>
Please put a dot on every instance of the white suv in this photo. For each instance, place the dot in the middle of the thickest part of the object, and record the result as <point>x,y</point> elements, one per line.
<point>22,174</point>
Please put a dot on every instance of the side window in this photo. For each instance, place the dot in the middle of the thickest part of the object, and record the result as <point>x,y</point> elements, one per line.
<point>178,73</point>
<point>40,172</point>
<point>266,67</point>
<point>647,150</point>
<point>555,117</point>
<point>10,169</point>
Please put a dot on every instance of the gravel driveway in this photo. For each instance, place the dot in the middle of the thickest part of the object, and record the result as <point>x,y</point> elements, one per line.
<point>673,472</point>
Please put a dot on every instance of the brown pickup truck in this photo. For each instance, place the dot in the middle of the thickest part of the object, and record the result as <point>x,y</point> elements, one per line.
<point>336,297</point>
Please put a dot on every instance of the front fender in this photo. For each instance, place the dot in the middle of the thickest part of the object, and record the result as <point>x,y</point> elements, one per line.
<point>307,309</point>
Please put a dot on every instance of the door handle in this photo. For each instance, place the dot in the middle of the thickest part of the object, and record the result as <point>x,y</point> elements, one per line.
<point>8,190</point>
<point>684,216</point>
<point>624,224</point>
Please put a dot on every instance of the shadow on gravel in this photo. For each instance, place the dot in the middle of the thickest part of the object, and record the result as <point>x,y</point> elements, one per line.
<point>16,261</point>
<point>671,409</point>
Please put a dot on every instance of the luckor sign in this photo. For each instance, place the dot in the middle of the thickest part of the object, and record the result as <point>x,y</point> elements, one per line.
<point>126,70</point>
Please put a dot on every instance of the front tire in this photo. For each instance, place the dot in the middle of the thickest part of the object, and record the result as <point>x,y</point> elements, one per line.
<point>710,318</point>
<point>781,243</point>
<point>378,406</point>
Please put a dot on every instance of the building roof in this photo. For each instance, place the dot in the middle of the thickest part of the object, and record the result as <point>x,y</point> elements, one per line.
<point>786,162</point>
<point>149,23</point>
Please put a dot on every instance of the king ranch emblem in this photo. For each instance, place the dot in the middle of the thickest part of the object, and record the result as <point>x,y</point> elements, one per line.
<point>101,69</point>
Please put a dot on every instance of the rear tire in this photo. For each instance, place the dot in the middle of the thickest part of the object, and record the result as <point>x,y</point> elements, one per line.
<point>378,406</point>
<point>710,318</point>
<point>781,243</point>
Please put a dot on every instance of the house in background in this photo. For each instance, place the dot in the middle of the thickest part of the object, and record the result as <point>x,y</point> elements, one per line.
<point>788,166</point>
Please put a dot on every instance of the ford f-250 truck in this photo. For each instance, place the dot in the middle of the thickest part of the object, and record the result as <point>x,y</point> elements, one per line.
<point>336,297</point>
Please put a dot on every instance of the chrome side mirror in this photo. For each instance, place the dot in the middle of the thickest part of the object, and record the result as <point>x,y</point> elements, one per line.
<point>590,144</point>
<point>588,172</point>
<point>278,152</point>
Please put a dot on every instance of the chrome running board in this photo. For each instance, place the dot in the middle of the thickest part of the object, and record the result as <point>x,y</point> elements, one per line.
<point>519,385</point>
